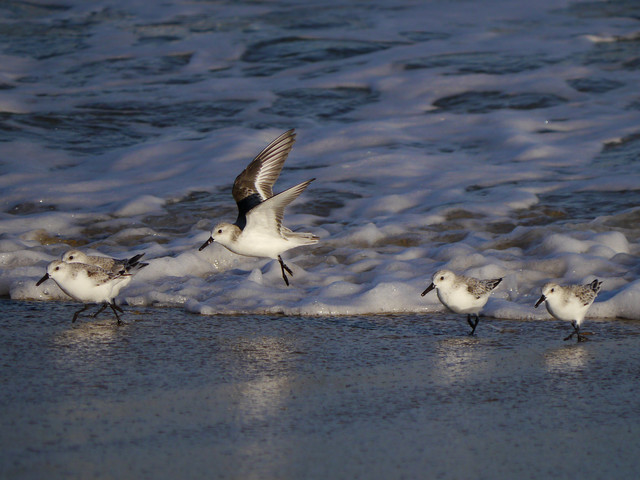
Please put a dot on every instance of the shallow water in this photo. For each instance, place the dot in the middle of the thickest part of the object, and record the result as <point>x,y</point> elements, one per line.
<point>384,396</point>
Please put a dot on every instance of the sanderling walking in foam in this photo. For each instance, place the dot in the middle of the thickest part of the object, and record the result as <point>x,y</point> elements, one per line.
<point>87,284</point>
<point>462,294</point>
<point>258,229</point>
<point>129,266</point>
<point>569,302</point>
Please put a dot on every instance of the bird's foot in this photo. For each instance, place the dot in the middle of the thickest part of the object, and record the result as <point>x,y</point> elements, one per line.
<point>472,324</point>
<point>104,305</point>
<point>283,267</point>
<point>75,315</point>
<point>116,309</point>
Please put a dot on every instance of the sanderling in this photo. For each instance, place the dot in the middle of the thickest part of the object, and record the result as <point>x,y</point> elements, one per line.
<point>569,302</point>
<point>258,230</point>
<point>87,284</point>
<point>107,263</point>
<point>128,266</point>
<point>462,294</point>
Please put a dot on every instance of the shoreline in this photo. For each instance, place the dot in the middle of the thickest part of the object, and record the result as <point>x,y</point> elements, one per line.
<point>171,394</point>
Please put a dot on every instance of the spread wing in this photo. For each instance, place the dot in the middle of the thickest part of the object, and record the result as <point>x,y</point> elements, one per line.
<point>268,215</point>
<point>260,175</point>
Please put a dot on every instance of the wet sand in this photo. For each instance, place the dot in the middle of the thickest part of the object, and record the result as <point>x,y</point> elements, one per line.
<point>174,395</point>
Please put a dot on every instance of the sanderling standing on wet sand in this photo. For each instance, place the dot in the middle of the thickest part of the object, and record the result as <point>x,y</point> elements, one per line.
<point>87,284</point>
<point>569,302</point>
<point>258,229</point>
<point>462,294</point>
<point>128,266</point>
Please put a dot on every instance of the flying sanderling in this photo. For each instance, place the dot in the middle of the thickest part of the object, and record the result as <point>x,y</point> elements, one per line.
<point>87,284</point>
<point>258,230</point>
<point>569,302</point>
<point>462,294</point>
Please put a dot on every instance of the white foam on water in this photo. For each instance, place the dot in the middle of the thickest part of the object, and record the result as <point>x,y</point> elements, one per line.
<point>407,183</point>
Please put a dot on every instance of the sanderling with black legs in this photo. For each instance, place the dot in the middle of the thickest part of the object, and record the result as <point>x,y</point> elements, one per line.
<point>87,284</point>
<point>128,266</point>
<point>462,294</point>
<point>258,229</point>
<point>570,303</point>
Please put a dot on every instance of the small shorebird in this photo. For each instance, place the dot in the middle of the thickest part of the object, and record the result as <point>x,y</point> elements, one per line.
<point>258,229</point>
<point>128,266</point>
<point>570,303</point>
<point>462,294</point>
<point>107,263</point>
<point>87,284</point>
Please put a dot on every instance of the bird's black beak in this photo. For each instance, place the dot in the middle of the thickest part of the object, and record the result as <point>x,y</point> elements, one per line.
<point>206,244</point>
<point>540,300</point>
<point>428,289</point>
<point>43,279</point>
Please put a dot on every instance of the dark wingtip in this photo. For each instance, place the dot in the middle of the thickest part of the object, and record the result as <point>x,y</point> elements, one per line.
<point>428,289</point>
<point>42,280</point>
<point>135,258</point>
<point>206,244</point>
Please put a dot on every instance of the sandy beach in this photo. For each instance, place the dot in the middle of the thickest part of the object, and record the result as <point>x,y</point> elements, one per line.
<point>174,395</point>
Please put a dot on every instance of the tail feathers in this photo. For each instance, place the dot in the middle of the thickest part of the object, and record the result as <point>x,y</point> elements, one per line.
<point>137,266</point>
<point>307,238</point>
<point>302,238</point>
<point>133,261</point>
<point>595,285</point>
<point>131,265</point>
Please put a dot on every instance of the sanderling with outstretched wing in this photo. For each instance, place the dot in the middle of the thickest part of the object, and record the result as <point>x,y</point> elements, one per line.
<point>462,294</point>
<point>569,302</point>
<point>258,229</point>
<point>87,284</point>
<point>113,265</point>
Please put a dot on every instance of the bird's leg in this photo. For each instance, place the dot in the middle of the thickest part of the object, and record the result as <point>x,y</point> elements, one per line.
<point>284,267</point>
<point>116,309</point>
<point>104,305</point>
<point>75,315</point>
<point>576,331</point>
<point>581,337</point>
<point>473,324</point>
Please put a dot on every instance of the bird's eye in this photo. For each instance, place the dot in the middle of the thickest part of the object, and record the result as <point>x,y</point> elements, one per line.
<point>442,277</point>
<point>57,268</point>
<point>551,291</point>
<point>70,257</point>
<point>220,231</point>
